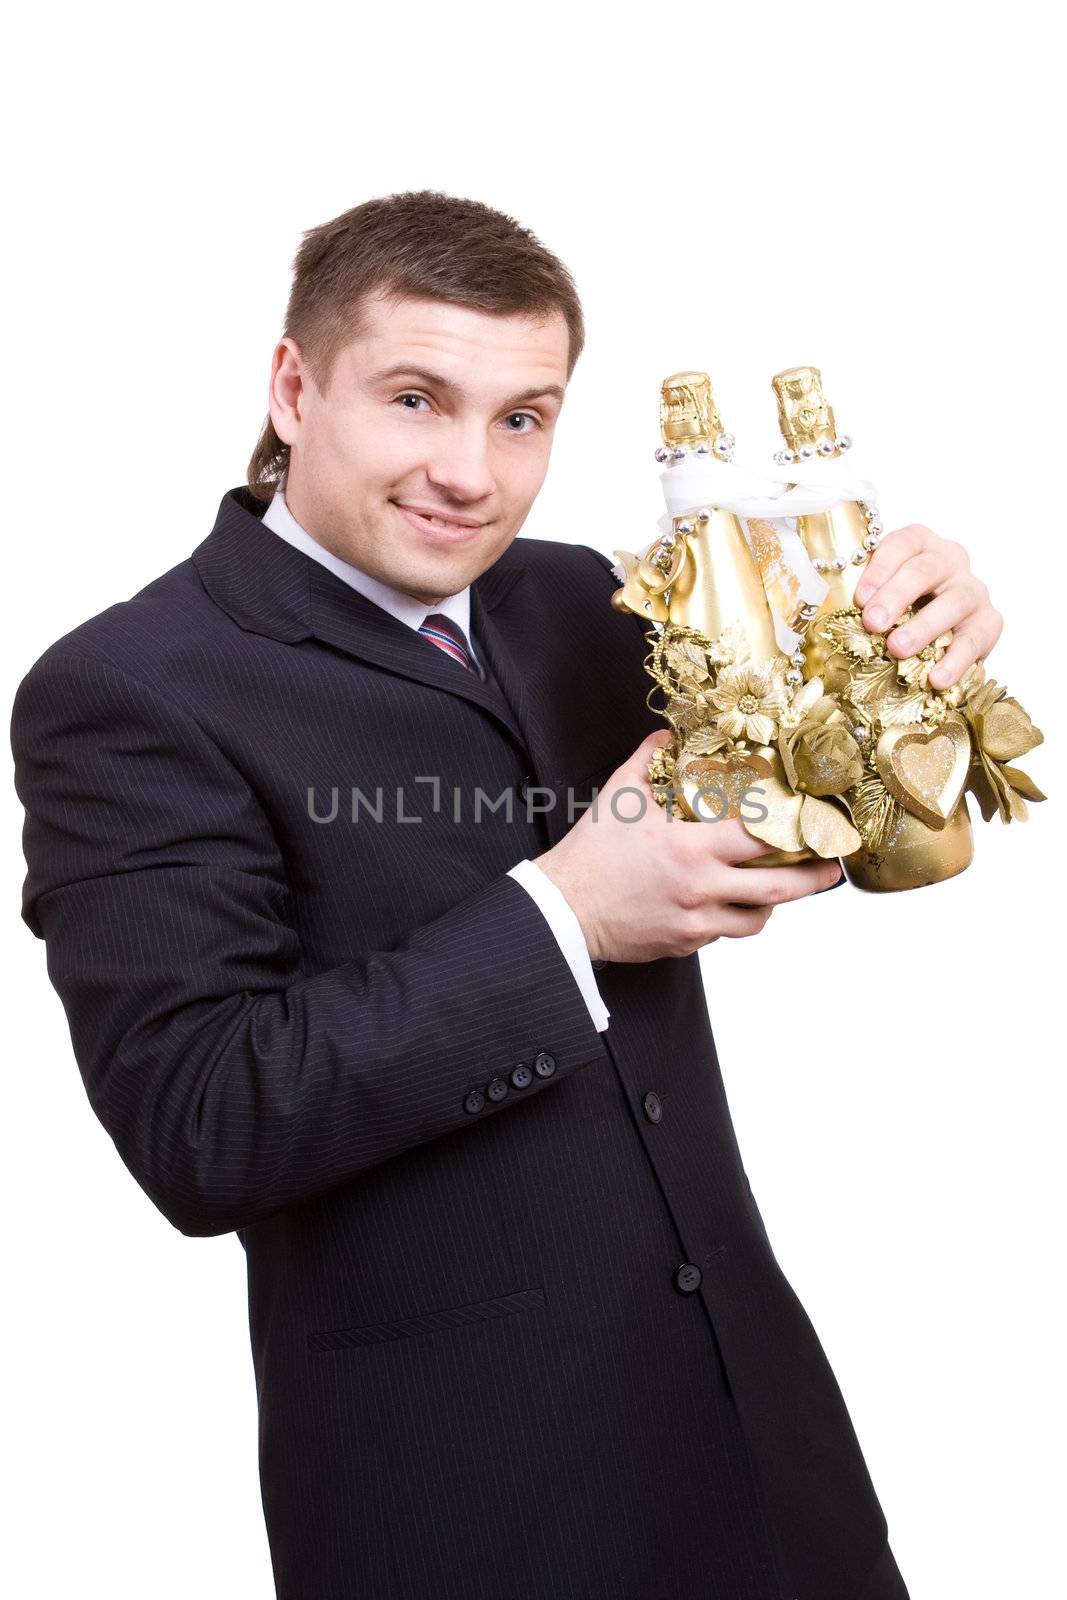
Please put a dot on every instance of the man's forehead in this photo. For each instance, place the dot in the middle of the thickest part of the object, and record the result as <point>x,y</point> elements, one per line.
<point>442,334</point>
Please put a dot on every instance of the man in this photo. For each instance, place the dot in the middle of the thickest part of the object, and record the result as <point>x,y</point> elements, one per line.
<point>518,1330</point>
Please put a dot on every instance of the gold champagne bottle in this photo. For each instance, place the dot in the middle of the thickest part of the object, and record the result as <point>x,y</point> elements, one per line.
<point>717,586</point>
<point>839,539</point>
<point>716,656</point>
<point>909,807</point>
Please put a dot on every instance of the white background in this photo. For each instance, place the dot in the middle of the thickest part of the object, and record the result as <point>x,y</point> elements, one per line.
<point>875,192</point>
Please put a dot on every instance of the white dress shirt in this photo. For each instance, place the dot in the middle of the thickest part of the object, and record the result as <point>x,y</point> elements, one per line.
<point>549,897</point>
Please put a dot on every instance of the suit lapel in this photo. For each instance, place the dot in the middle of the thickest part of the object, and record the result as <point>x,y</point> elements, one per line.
<point>348,621</point>
<point>268,587</point>
<point>501,631</point>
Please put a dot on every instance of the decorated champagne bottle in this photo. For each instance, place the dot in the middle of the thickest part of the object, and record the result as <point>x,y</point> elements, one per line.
<point>909,805</point>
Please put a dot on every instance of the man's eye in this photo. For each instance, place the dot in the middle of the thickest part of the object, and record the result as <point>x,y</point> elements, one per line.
<point>526,416</point>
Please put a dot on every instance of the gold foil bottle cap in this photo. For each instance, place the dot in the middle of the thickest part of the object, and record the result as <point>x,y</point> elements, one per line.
<point>688,414</point>
<point>804,417</point>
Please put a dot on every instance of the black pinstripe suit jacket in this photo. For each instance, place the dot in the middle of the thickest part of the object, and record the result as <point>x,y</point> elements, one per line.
<point>517,1327</point>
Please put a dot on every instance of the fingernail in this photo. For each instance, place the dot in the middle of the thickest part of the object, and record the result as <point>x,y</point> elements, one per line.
<point>902,641</point>
<point>878,617</point>
<point>864,592</point>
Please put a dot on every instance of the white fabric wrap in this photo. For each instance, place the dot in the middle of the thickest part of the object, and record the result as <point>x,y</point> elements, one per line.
<point>768,508</point>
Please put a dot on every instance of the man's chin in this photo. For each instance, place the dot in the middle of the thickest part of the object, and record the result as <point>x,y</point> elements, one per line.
<point>445,571</point>
<point>432,587</point>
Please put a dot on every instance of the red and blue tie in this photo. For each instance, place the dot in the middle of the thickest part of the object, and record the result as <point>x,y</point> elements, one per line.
<point>447,636</point>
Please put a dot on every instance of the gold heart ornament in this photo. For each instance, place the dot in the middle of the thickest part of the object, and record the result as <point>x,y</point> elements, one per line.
<point>709,790</point>
<point>713,789</point>
<point>926,772</point>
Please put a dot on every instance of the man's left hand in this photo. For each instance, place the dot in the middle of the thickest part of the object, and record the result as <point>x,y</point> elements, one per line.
<point>910,562</point>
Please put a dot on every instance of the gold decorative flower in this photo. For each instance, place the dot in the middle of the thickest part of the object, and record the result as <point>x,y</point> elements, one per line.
<point>1004,727</point>
<point>818,752</point>
<point>660,770</point>
<point>1002,730</point>
<point>730,648</point>
<point>750,699</point>
<point>822,758</point>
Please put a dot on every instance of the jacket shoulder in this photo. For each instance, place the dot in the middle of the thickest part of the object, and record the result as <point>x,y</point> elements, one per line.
<point>554,556</point>
<point>137,636</point>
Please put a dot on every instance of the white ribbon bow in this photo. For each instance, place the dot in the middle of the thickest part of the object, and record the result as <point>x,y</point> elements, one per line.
<point>767,507</point>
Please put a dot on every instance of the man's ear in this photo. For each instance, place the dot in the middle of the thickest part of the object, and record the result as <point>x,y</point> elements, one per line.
<point>286,389</point>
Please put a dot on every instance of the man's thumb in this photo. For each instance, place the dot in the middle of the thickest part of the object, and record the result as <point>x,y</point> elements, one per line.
<point>638,762</point>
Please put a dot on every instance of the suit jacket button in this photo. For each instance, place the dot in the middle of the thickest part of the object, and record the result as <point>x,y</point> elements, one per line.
<point>521,1076</point>
<point>687,1278</point>
<point>474,1101</point>
<point>544,1064</point>
<point>498,1088</point>
<point>653,1106</point>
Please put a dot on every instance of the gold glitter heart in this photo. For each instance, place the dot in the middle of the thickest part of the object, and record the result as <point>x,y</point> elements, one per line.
<point>926,772</point>
<point>724,782</point>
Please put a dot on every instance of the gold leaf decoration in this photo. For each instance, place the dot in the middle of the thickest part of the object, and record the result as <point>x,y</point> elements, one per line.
<point>872,681</point>
<point>901,707</point>
<point>825,829</point>
<point>705,741</point>
<point>916,669</point>
<point>837,673</point>
<point>688,661</point>
<point>781,826</point>
<point>874,811</point>
<point>1020,781</point>
<point>844,630</point>
<point>980,785</point>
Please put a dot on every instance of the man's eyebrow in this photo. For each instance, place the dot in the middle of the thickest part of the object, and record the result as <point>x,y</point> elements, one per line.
<point>439,381</point>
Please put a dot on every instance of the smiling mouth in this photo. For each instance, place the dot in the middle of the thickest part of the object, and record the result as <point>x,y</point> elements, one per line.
<point>442,526</point>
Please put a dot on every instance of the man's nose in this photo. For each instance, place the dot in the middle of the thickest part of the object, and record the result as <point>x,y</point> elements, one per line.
<point>461,465</point>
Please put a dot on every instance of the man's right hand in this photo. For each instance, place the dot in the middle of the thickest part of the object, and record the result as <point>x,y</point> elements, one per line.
<point>658,885</point>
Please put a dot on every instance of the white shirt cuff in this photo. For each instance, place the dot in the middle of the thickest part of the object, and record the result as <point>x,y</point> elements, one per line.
<point>568,931</point>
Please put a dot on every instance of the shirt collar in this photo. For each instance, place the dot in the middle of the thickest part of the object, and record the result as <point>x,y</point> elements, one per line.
<point>404,607</point>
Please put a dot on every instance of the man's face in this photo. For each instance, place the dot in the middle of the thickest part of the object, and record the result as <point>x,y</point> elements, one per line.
<point>433,409</point>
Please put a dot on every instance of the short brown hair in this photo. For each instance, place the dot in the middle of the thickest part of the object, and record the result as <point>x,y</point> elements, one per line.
<point>421,242</point>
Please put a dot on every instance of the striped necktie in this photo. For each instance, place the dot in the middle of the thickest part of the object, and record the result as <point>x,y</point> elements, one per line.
<point>447,636</point>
